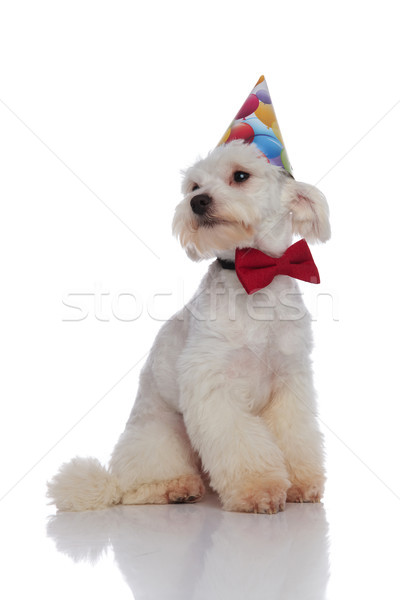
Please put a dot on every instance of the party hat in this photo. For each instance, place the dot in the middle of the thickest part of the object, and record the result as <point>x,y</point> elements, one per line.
<point>256,123</point>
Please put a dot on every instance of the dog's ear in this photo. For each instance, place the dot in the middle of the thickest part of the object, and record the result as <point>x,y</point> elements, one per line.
<point>309,208</point>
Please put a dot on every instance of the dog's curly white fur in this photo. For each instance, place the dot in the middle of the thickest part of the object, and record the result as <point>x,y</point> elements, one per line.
<point>227,389</point>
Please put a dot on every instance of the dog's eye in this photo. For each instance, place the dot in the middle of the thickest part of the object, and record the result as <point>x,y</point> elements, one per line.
<point>240,176</point>
<point>195,187</point>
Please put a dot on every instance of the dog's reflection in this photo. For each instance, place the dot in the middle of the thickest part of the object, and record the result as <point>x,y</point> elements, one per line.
<point>199,551</point>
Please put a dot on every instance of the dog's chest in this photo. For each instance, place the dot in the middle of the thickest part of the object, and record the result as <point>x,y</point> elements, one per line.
<point>269,319</point>
<point>249,339</point>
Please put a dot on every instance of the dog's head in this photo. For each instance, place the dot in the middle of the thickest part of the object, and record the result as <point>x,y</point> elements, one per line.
<point>234,198</point>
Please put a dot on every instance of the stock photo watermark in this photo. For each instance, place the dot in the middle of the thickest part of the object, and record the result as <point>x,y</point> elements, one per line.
<point>106,305</point>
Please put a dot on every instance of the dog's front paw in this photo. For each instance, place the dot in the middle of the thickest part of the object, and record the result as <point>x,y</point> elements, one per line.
<point>269,498</point>
<point>306,492</point>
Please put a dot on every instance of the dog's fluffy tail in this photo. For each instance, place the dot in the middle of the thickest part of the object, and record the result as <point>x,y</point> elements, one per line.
<point>83,484</point>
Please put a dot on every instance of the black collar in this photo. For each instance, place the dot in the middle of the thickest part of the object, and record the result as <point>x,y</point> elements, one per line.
<point>227,264</point>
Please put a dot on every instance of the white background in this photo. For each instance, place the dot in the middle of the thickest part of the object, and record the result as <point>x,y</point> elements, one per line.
<point>101,105</point>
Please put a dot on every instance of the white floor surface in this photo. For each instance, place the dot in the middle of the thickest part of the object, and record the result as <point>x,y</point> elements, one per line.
<point>343,548</point>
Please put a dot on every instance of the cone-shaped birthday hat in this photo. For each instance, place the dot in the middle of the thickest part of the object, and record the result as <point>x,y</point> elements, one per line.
<point>256,123</point>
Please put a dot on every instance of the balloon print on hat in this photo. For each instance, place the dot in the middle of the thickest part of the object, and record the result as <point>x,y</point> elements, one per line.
<point>248,107</point>
<point>256,123</point>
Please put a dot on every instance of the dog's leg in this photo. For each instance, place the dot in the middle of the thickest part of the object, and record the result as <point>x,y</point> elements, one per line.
<point>153,461</point>
<point>245,465</point>
<point>291,416</point>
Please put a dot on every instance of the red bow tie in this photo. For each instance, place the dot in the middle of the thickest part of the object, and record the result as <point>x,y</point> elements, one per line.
<point>256,270</point>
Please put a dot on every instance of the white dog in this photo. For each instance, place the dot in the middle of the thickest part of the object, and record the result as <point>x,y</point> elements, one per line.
<point>226,393</point>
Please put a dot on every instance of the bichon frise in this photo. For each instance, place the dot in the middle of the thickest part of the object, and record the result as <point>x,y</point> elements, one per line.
<point>226,393</point>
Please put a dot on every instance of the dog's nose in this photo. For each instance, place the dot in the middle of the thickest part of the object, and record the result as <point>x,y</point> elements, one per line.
<point>200,204</point>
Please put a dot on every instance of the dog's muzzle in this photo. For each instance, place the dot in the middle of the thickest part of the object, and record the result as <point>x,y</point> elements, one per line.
<point>200,204</point>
